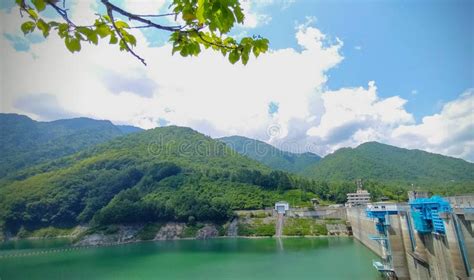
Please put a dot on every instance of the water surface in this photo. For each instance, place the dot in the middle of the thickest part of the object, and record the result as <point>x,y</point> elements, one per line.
<point>268,258</point>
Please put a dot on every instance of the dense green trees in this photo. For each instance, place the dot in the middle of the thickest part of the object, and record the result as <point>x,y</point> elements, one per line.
<point>392,165</point>
<point>389,171</point>
<point>166,174</point>
<point>25,142</point>
<point>269,155</point>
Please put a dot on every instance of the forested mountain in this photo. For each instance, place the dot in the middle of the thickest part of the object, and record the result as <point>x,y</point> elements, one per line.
<point>128,128</point>
<point>370,161</point>
<point>79,171</point>
<point>25,142</point>
<point>163,174</point>
<point>269,155</point>
<point>385,163</point>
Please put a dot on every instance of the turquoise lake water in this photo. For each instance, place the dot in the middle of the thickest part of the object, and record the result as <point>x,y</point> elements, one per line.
<point>266,258</point>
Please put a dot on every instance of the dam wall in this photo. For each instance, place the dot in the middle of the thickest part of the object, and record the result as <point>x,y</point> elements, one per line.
<point>414,255</point>
<point>363,227</point>
<point>320,213</point>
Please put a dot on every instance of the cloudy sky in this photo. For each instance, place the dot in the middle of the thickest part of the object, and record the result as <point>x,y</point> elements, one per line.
<point>339,73</point>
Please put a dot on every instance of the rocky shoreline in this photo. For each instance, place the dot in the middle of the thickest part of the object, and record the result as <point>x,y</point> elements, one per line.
<point>243,226</point>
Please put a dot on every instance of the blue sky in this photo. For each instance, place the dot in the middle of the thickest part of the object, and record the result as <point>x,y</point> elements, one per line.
<point>419,50</point>
<point>339,73</point>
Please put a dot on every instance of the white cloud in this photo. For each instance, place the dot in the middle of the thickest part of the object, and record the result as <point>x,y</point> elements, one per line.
<point>217,98</point>
<point>144,7</point>
<point>83,11</point>
<point>350,106</point>
<point>285,4</point>
<point>254,16</point>
<point>449,132</point>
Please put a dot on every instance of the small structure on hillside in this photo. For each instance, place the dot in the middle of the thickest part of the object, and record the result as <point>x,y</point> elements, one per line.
<point>360,197</point>
<point>281,207</point>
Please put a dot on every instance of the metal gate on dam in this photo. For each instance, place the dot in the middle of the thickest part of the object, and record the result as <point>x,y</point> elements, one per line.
<point>426,238</point>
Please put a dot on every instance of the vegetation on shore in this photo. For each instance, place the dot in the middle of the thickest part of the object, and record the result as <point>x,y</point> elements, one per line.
<point>304,227</point>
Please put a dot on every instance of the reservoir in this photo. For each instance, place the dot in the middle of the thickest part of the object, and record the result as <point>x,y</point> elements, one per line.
<point>226,258</point>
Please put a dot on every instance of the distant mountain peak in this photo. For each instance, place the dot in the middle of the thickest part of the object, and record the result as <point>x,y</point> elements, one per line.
<point>270,155</point>
<point>387,163</point>
<point>25,142</point>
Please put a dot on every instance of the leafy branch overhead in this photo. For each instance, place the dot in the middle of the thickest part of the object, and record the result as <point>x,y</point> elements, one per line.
<point>198,23</point>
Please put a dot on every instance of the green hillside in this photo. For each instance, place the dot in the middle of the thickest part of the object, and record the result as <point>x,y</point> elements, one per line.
<point>163,174</point>
<point>25,142</point>
<point>177,174</point>
<point>385,163</point>
<point>271,156</point>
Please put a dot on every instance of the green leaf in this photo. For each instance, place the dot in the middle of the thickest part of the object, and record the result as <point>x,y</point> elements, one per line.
<point>90,34</point>
<point>246,40</point>
<point>53,24</point>
<point>44,27</point>
<point>175,49</point>
<point>245,57</point>
<point>113,39</point>
<point>184,52</point>
<point>73,44</point>
<point>32,14</point>
<point>188,17</point>
<point>28,27</point>
<point>256,51</point>
<point>103,30</point>
<point>200,11</point>
<point>79,36</point>
<point>130,39</point>
<point>84,30</point>
<point>40,5</point>
<point>234,56</point>
<point>239,15</point>
<point>63,30</point>
<point>92,37</point>
<point>121,24</point>
<point>123,45</point>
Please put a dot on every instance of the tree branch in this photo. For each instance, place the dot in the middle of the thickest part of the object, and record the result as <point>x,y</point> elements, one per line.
<point>214,44</point>
<point>62,13</point>
<point>110,13</point>
<point>159,15</point>
<point>128,41</point>
<point>131,16</point>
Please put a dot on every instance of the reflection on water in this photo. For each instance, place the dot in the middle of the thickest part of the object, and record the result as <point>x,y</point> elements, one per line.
<point>263,258</point>
<point>33,244</point>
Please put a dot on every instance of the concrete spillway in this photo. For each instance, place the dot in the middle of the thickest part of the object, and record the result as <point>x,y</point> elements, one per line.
<point>415,255</point>
<point>279,225</point>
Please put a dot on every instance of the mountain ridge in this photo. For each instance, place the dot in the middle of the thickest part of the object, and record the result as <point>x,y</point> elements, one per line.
<point>270,155</point>
<point>378,161</point>
<point>25,142</point>
<point>163,174</point>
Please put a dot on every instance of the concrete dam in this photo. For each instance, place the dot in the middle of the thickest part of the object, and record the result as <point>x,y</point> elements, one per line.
<point>427,238</point>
